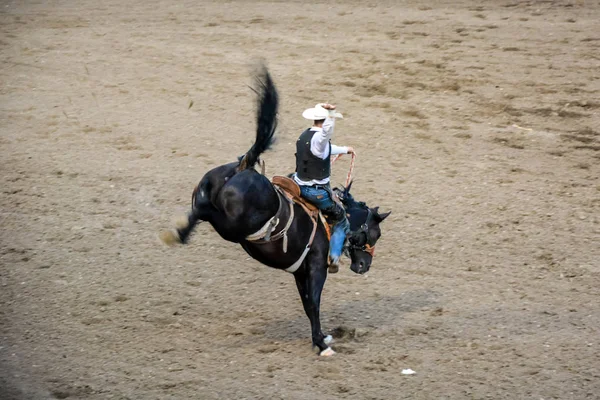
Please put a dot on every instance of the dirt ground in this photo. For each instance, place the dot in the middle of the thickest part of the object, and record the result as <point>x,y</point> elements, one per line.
<point>476,123</point>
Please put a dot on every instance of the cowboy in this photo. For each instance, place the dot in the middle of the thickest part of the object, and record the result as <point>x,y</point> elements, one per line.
<point>313,169</point>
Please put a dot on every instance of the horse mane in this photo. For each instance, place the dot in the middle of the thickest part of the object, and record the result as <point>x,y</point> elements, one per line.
<point>348,200</point>
<point>351,203</point>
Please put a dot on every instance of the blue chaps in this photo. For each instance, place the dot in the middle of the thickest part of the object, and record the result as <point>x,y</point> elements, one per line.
<point>321,197</point>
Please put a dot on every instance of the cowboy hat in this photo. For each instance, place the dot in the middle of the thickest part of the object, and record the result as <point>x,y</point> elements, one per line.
<point>318,112</point>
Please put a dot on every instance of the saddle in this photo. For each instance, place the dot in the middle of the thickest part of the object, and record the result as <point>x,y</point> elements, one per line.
<point>289,192</point>
<point>292,191</point>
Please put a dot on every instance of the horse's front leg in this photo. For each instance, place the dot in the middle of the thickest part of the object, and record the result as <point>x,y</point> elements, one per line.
<point>310,281</point>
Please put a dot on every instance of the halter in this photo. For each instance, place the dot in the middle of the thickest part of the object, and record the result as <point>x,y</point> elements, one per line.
<point>364,228</point>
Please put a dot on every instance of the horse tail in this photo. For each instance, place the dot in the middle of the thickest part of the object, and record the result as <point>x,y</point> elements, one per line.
<point>266,117</point>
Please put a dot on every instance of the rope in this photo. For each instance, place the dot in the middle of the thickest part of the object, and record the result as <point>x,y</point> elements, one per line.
<point>349,177</point>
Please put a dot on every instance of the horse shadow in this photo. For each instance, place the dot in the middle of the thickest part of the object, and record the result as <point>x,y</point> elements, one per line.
<point>346,318</point>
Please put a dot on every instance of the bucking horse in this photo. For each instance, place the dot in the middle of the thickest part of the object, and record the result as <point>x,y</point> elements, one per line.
<point>272,223</point>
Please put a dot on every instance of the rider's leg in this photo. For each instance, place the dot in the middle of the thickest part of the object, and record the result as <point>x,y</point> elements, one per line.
<point>321,197</point>
<point>317,196</point>
<point>341,227</point>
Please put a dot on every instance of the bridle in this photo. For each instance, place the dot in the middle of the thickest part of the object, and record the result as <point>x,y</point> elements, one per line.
<point>369,245</point>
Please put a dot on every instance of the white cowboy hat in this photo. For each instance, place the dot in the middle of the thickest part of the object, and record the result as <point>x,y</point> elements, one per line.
<point>318,112</point>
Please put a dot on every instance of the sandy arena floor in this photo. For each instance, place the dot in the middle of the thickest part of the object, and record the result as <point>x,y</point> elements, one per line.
<point>476,123</point>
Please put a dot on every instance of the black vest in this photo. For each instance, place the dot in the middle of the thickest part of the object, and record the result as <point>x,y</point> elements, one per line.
<point>309,166</point>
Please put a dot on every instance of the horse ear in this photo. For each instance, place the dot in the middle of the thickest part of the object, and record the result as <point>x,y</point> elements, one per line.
<point>383,216</point>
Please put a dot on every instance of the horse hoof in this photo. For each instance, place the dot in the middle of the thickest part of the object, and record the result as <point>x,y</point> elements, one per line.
<point>328,339</point>
<point>170,238</point>
<point>328,352</point>
<point>182,222</point>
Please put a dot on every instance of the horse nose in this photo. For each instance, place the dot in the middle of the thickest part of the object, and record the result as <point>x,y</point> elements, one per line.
<point>361,265</point>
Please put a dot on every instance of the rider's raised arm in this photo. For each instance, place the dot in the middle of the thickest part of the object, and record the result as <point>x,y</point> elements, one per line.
<point>321,138</point>
<point>329,125</point>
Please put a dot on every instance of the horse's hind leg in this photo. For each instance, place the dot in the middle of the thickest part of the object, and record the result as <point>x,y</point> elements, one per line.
<point>310,282</point>
<point>184,227</point>
<point>201,209</point>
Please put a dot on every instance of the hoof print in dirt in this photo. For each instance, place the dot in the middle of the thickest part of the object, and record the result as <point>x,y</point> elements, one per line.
<point>345,333</point>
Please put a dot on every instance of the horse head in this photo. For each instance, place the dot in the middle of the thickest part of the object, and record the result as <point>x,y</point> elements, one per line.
<point>364,230</point>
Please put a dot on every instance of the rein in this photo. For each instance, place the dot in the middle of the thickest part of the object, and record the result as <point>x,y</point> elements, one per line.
<point>349,177</point>
<point>367,248</point>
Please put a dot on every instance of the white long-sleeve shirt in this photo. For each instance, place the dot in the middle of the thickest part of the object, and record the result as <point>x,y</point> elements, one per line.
<point>319,146</point>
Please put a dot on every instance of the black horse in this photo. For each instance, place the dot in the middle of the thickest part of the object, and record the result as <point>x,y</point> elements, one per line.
<point>244,207</point>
